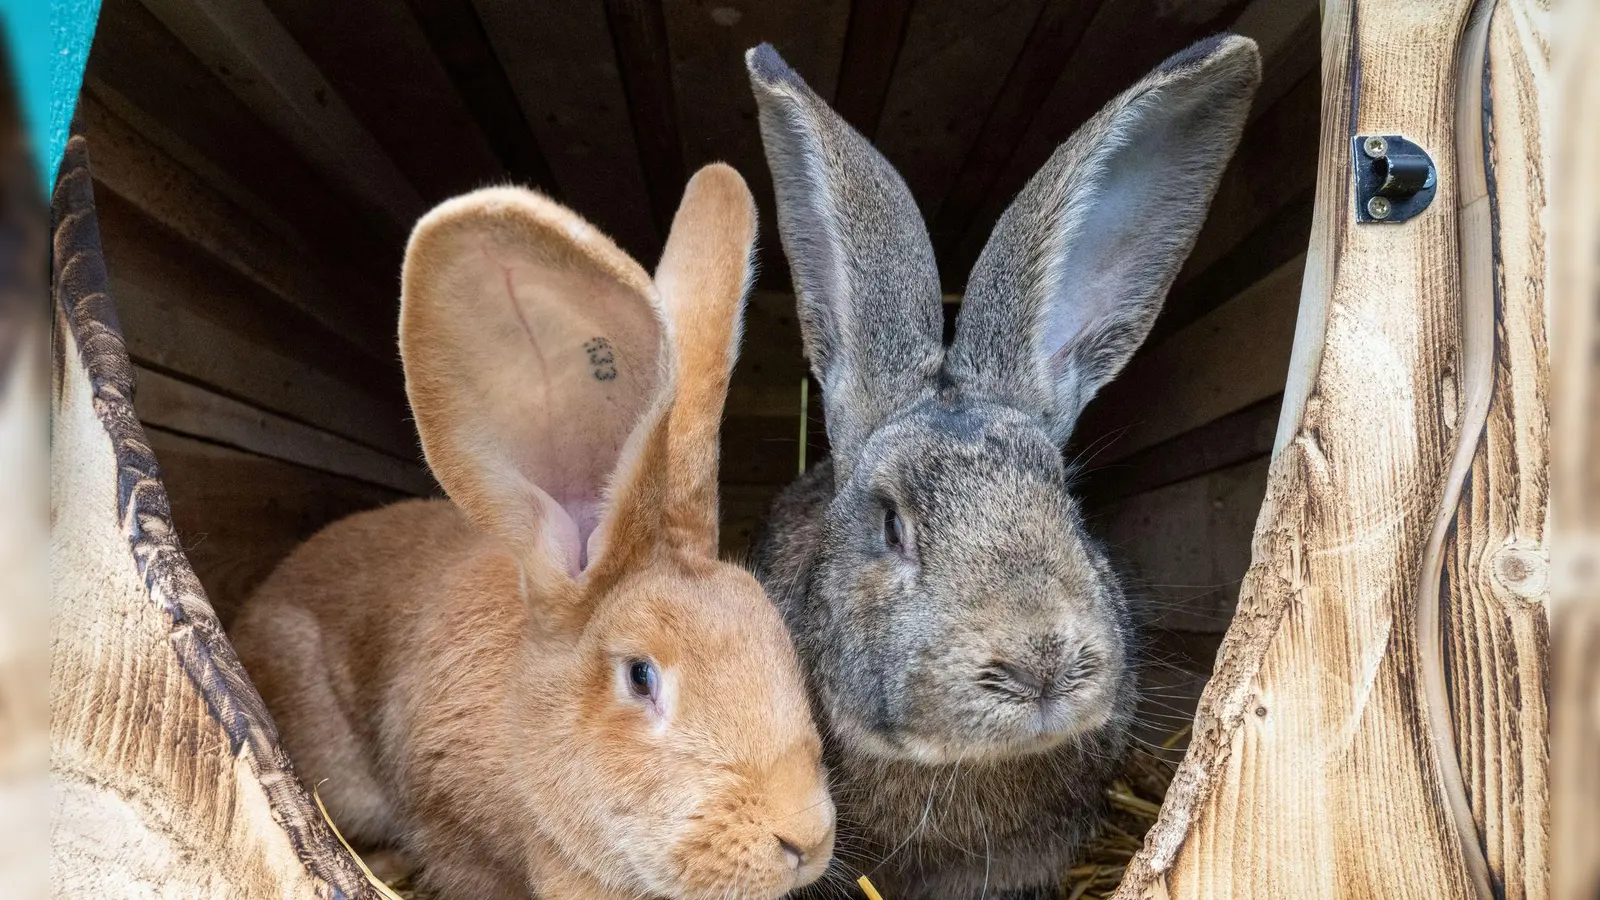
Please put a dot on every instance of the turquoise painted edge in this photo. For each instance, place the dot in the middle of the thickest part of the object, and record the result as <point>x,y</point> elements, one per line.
<point>48,41</point>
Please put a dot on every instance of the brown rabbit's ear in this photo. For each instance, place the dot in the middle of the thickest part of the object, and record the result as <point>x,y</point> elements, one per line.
<point>704,275</point>
<point>534,351</point>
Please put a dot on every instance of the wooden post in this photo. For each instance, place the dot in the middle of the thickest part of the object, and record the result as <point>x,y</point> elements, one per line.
<point>1575,453</point>
<point>1376,723</point>
<point>165,767</point>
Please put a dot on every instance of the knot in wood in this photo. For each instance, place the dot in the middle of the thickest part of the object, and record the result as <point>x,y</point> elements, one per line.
<point>1522,571</point>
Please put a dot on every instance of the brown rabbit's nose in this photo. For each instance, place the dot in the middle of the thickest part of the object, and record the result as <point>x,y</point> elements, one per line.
<point>798,855</point>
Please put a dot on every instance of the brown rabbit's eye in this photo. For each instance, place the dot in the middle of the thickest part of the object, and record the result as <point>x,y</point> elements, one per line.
<point>643,679</point>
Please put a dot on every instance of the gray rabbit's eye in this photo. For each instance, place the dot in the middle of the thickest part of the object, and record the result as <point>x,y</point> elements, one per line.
<point>894,532</point>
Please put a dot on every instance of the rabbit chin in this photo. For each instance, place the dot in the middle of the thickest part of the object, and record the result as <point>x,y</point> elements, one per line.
<point>1009,733</point>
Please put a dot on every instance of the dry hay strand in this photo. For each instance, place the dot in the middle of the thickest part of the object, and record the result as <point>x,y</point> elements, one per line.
<point>1135,801</point>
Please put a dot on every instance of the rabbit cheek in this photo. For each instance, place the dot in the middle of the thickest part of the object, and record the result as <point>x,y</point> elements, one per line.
<point>759,835</point>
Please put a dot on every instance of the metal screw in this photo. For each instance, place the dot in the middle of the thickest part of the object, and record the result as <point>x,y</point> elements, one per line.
<point>1376,147</point>
<point>1379,208</point>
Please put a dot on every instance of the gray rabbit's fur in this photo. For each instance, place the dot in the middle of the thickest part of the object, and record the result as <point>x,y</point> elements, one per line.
<point>969,649</point>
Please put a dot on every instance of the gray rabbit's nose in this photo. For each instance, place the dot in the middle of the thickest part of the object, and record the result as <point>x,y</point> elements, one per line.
<point>1041,678</point>
<point>1020,682</point>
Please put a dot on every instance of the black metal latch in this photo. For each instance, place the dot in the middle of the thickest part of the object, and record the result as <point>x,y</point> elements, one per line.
<point>1395,179</point>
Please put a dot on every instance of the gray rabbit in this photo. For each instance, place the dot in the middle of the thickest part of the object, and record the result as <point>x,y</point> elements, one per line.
<point>968,647</point>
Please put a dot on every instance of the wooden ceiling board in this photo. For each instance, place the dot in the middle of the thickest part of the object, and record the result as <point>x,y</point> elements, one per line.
<point>954,62</point>
<point>157,85</point>
<point>872,44</point>
<point>1125,40</point>
<point>1053,39</point>
<point>639,39</point>
<point>458,38</point>
<point>250,51</point>
<point>716,110</point>
<point>562,66</point>
<point>380,61</point>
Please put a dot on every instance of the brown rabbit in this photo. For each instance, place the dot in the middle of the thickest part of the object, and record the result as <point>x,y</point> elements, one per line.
<point>549,684</point>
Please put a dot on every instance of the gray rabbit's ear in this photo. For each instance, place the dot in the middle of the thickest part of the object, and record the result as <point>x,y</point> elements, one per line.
<point>859,253</point>
<point>1072,278</point>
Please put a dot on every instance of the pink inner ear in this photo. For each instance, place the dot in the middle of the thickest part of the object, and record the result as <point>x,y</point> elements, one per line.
<point>566,377</point>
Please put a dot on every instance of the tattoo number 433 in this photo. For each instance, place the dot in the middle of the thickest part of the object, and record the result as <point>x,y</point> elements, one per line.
<point>601,358</point>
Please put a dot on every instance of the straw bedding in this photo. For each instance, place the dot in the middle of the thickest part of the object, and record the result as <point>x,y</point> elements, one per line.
<point>1135,801</point>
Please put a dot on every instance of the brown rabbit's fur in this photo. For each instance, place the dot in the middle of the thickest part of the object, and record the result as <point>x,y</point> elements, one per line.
<point>449,680</point>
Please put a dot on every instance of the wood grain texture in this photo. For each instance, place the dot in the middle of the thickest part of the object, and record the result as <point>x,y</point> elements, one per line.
<point>457,37</point>
<point>1052,40</point>
<point>1575,455</point>
<point>947,80</point>
<point>383,65</point>
<point>188,409</point>
<point>1275,163</point>
<point>871,46</point>
<point>1185,546</point>
<point>1125,39</point>
<point>561,65</point>
<point>238,514</point>
<point>249,49</point>
<point>344,302</point>
<point>1235,356</point>
<point>716,109</point>
<point>1312,773</point>
<point>1289,34</point>
<point>184,312</point>
<point>1279,238</point>
<point>153,82</point>
<point>1496,558</point>
<point>639,37</point>
<point>1224,441</point>
<point>766,378</point>
<point>165,765</point>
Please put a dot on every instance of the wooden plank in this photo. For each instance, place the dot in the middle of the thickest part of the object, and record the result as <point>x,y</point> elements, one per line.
<point>1226,441</point>
<point>1271,244</point>
<point>1185,546</point>
<point>381,63</point>
<point>766,378</point>
<point>561,63</point>
<point>871,46</point>
<point>141,173</point>
<point>639,36</point>
<point>950,73</point>
<point>766,449</point>
<point>193,411</point>
<point>1495,551</point>
<point>244,45</point>
<point>1123,41</point>
<point>462,46</point>
<point>1312,743</point>
<point>1053,39</point>
<point>744,509</point>
<point>150,80</point>
<point>165,767</point>
<point>717,111</point>
<point>1276,164</point>
<point>1224,362</point>
<point>183,312</point>
<point>239,514</point>
<point>1289,34</point>
<point>1575,455</point>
